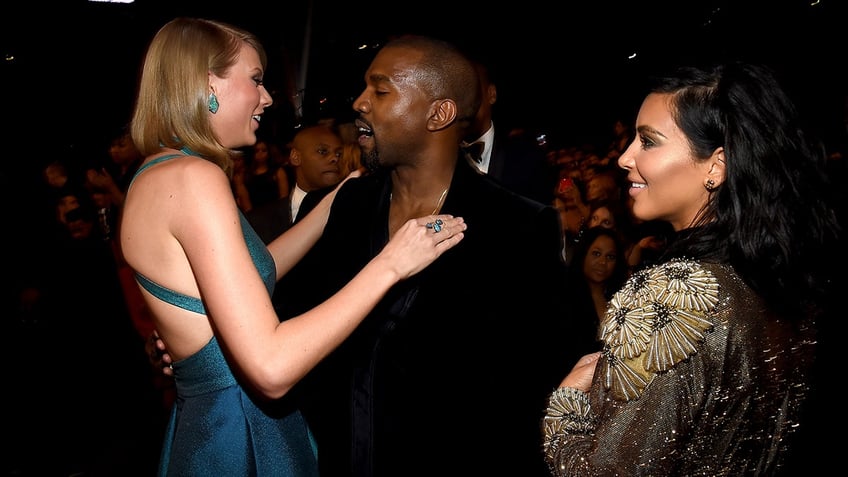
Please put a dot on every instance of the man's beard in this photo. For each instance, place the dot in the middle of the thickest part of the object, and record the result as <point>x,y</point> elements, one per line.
<point>371,160</point>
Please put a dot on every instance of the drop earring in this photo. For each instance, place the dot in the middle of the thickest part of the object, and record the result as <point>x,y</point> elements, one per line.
<point>213,103</point>
<point>710,185</point>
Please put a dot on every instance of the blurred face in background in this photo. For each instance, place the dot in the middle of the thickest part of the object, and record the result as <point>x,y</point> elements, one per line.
<point>260,152</point>
<point>600,260</point>
<point>123,152</point>
<point>80,224</point>
<point>315,155</point>
<point>602,217</point>
<point>56,175</point>
<point>64,205</point>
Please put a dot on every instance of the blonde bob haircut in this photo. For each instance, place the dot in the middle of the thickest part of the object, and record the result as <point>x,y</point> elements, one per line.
<point>172,106</point>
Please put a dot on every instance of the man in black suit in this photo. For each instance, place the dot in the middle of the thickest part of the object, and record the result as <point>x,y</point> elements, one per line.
<point>448,374</point>
<point>512,156</point>
<point>314,155</point>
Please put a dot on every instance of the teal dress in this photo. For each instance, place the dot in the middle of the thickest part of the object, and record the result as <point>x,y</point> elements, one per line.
<point>216,428</point>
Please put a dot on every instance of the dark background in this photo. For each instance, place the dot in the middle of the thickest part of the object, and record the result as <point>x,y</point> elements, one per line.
<point>69,73</point>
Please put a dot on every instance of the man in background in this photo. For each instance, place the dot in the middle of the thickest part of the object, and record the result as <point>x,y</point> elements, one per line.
<point>509,155</point>
<point>314,155</point>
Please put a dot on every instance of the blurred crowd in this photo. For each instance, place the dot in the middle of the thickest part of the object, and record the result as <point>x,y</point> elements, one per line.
<point>77,325</point>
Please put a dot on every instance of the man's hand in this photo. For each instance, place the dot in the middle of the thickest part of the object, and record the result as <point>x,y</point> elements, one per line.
<point>159,357</point>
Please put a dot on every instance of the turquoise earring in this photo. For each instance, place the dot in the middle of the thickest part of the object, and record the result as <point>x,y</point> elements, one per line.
<point>213,103</point>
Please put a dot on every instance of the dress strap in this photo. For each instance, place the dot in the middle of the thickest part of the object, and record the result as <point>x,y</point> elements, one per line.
<point>144,167</point>
<point>167,295</point>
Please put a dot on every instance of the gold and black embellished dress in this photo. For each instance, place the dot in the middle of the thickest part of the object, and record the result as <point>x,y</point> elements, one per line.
<point>696,378</point>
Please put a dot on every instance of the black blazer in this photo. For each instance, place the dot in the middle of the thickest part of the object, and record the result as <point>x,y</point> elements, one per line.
<point>273,218</point>
<point>450,372</point>
<point>271,225</point>
<point>520,165</point>
<point>310,200</point>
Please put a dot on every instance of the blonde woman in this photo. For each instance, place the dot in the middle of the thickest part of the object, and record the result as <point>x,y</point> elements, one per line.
<point>207,277</point>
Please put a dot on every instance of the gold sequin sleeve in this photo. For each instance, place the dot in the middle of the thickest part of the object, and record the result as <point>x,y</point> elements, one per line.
<point>696,377</point>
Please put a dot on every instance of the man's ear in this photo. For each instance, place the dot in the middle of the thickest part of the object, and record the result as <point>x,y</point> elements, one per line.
<point>294,157</point>
<point>491,94</point>
<point>442,114</point>
<point>718,167</point>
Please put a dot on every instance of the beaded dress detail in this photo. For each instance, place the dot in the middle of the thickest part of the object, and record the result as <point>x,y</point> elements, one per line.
<point>695,367</point>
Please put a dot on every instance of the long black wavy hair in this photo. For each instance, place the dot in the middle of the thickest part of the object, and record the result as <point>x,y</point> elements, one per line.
<point>773,219</point>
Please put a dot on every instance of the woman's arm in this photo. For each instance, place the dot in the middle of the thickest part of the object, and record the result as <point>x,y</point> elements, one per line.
<point>274,356</point>
<point>290,247</point>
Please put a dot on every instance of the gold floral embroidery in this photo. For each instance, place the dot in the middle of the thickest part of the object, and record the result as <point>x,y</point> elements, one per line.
<point>568,412</point>
<point>655,322</point>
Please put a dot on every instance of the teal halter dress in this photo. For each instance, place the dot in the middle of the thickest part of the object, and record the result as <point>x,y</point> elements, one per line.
<point>216,428</point>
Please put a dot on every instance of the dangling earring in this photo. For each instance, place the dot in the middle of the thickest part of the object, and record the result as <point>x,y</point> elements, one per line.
<point>710,185</point>
<point>213,103</point>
